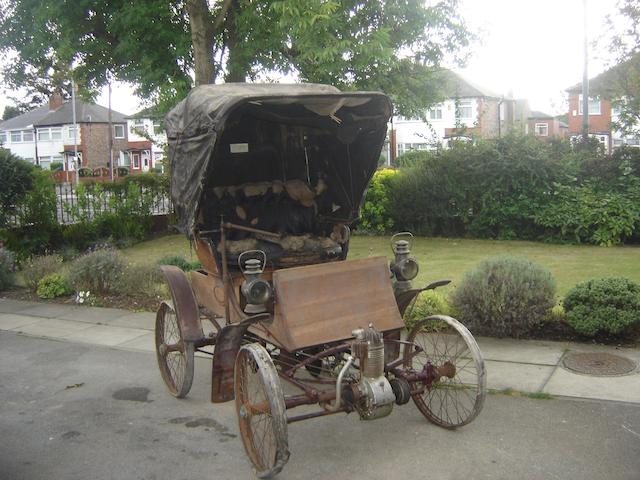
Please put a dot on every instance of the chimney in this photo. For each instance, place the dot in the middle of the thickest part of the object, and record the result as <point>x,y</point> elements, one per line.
<point>55,100</point>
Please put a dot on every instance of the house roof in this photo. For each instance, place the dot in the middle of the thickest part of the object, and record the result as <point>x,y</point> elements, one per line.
<point>536,114</point>
<point>85,113</point>
<point>607,82</point>
<point>455,85</point>
<point>149,112</point>
<point>26,119</point>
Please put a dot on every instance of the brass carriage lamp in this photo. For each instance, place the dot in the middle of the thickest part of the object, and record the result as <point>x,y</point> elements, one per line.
<point>405,267</point>
<point>256,291</point>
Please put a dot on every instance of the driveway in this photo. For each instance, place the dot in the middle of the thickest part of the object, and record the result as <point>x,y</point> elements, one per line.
<point>76,411</point>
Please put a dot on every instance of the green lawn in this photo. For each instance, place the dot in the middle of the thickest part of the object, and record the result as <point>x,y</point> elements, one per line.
<point>443,258</point>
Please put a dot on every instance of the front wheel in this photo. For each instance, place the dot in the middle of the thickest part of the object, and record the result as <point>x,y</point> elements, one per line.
<point>175,355</point>
<point>261,410</point>
<point>456,396</point>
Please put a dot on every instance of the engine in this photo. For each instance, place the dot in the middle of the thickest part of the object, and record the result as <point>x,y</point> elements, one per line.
<point>372,395</point>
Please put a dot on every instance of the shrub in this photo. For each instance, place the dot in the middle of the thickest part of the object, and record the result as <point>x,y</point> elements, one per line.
<point>52,286</point>
<point>376,215</point>
<point>141,279</point>
<point>56,166</point>
<point>7,267</point>
<point>428,303</point>
<point>100,271</point>
<point>179,261</point>
<point>504,296</point>
<point>609,305</point>
<point>17,179</point>
<point>38,267</point>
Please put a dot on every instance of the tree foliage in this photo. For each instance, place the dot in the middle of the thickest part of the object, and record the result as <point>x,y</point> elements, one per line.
<point>396,47</point>
<point>623,79</point>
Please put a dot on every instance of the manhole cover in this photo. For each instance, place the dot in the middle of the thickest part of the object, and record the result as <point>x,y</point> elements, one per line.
<point>598,363</point>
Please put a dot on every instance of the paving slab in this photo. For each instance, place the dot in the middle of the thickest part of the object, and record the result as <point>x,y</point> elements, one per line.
<point>48,310</point>
<point>95,315</point>
<point>632,353</point>
<point>141,320</point>
<point>518,376</point>
<point>143,343</point>
<point>9,305</point>
<point>623,388</point>
<point>105,335</point>
<point>52,328</point>
<point>521,351</point>
<point>9,321</point>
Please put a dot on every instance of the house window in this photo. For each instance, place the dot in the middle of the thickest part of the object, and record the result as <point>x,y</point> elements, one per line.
<point>542,130</point>
<point>465,109</point>
<point>435,113</point>
<point>16,136</point>
<point>44,134</point>
<point>3,137</point>
<point>56,133</point>
<point>118,131</point>
<point>594,105</point>
<point>407,147</point>
<point>71,131</point>
<point>27,135</point>
<point>125,161</point>
<point>136,160</point>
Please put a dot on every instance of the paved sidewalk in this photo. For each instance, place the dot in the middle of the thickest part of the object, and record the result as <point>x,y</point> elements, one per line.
<point>522,365</point>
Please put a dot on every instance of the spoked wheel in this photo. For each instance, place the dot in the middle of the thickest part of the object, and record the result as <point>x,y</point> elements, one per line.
<point>175,356</point>
<point>261,410</point>
<point>452,358</point>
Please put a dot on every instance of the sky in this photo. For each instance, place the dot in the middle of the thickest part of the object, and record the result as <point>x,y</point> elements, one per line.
<point>533,49</point>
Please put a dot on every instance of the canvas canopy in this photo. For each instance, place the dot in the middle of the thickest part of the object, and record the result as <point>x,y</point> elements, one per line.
<point>306,136</point>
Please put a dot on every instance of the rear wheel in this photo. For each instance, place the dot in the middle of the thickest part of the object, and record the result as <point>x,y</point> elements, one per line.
<point>456,395</point>
<point>261,410</point>
<point>175,355</point>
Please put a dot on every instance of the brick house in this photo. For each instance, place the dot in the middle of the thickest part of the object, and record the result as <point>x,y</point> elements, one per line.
<point>468,111</point>
<point>46,134</point>
<point>545,127</point>
<point>602,110</point>
<point>147,142</point>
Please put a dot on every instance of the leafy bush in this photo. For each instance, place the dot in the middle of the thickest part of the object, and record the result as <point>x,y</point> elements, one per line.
<point>504,296</point>
<point>7,267</point>
<point>36,268</point>
<point>608,305</point>
<point>428,303</point>
<point>56,166</point>
<point>141,279</point>
<point>375,215</point>
<point>52,286</point>
<point>181,262</point>
<point>38,229</point>
<point>590,214</point>
<point>17,179</point>
<point>100,271</point>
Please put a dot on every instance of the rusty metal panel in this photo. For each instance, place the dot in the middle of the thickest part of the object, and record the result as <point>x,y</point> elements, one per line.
<point>209,291</point>
<point>323,303</point>
<point>184,303</point>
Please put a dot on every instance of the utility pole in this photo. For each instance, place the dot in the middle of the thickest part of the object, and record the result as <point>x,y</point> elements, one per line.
<point>110,137</point>
<point>75,132</point>
<point>585,80</point>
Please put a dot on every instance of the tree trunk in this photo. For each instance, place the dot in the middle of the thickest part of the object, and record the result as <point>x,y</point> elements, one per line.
<point>201,24</point>
<point>236,66</point>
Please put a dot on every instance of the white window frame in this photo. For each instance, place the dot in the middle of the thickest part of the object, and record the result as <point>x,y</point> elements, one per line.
<point>463,106</point>
<point>135,160</point>
<point>3,137</point>
<point>27,136</point>
<point>435,113</point>
<point>115,131</point>
<point>592,102</point>
<point>539,128</point>
<point>14,133</point>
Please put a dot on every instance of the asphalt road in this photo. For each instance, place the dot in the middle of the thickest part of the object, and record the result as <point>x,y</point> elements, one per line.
<point>72,411</point>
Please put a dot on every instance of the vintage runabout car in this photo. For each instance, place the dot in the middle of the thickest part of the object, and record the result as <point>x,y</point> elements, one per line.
<point>266,181</point>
